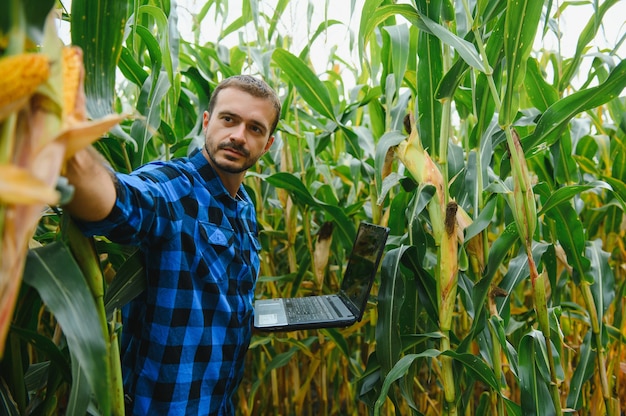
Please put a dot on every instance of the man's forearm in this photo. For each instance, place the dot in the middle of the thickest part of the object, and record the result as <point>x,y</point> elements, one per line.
<point>94,184</point>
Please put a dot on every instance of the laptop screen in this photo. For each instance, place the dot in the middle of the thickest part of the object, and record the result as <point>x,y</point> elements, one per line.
<point>363,263</point>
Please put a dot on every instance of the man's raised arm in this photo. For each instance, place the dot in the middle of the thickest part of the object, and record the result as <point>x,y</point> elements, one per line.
<point>94,183</point>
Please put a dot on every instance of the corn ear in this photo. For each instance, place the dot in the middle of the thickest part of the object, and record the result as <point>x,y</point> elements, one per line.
<point>448,269</point>
<point>72,71</point>
<point>388,163</point>
<point>418,162</point>
<point>20,76</point>
<point>541,303</point>
<point>525,210</point>
<point>321,254</point>
<point>425,171</point>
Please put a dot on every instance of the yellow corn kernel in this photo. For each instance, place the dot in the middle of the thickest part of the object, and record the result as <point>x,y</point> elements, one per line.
<point>72,70</point>
<point>20,75</point>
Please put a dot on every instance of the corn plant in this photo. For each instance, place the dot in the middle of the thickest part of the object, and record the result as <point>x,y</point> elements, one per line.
<point>502,289</point>
<point>70,352</point>
<point>511,163</point>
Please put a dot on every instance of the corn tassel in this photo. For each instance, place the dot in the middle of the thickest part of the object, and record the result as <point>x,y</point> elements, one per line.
<point>20,76</point>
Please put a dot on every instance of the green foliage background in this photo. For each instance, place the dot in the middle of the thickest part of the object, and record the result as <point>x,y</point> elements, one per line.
<point>466,73</point>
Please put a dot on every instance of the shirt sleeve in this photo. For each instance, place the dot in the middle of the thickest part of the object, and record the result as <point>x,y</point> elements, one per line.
<point>144,211</point>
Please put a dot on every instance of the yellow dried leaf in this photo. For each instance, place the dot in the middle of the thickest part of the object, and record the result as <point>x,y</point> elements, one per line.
<point>19,186</point>
<point>82,134</point>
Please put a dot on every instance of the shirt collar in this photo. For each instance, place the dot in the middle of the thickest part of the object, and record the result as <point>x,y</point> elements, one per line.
<point>212,180</point>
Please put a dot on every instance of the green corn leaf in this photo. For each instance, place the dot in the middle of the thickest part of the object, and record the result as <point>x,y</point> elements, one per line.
<point>466,50</point>
<point>312,90</point>
<point>570,232</point>
<point>512,408</point>
<point>535,396</point>
<point>149,104</point>
<point>131,69</point>
<point>518,271</point>
<point>345,227</point>
<point>372,16</point>
<point>128,283</point>
<point>476,366</point>
<point>56,276</point>
<point>497,254</point>
<point>98,28</point>
<point>321,30</point>
<point>558,115</point>
<point>387,141</point>
<point>46,346</point>
<point>278,12</point>
<point>162,24</point>
<point>619,189</point>
<point>483,221</point>
<point>425,283</point>
<point>390,298</point>
<point>451,81</point>
<point>566,193</point>
<point>399,50</point>
<point>78,401</point>
<point>541,94</point>
<point>400,368</point>
<point>601,273</point>
<point>585,368</point>
<point>520,28</point>
<point>152,46</point>
<point>586,36</point>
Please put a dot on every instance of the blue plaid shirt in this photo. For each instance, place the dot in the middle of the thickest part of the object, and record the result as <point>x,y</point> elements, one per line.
<point>184,339</point>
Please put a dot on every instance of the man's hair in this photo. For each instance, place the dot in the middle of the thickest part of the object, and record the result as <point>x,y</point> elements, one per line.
<point>253,86</point>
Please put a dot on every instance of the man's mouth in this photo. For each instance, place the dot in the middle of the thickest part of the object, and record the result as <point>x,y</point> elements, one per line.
<point>235,149</point>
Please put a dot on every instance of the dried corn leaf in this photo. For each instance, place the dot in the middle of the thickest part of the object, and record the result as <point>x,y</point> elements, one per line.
<point>19,186</point>
<point>81,134</point>
<point>322,252</point>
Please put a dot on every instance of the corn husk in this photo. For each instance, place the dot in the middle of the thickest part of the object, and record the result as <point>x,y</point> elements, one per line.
<point>45,130</point>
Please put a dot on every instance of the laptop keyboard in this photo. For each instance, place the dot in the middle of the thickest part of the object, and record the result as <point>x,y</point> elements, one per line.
<point>306,309</point>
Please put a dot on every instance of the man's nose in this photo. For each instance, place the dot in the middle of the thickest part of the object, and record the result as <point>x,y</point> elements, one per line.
<point>238,132</point>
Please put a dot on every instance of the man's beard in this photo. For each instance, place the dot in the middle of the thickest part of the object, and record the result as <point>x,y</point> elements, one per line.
<point>227,168</point>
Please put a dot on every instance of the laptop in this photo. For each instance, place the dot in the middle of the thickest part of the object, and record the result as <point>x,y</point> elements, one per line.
<point>330,311</point>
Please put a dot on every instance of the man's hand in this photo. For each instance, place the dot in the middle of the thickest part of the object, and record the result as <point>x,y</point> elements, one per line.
<point>94,186</point>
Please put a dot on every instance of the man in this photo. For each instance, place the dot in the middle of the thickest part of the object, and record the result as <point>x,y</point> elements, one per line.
<point>184,339</point>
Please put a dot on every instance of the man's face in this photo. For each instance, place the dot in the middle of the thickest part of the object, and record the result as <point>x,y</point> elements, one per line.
<point>237,133</point>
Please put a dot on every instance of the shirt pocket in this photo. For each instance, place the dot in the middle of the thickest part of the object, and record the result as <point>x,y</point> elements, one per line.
<point>254,242</point>
<point>217,249</point>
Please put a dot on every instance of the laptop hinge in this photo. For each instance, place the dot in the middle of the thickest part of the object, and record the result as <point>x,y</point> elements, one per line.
<point>353,308</point>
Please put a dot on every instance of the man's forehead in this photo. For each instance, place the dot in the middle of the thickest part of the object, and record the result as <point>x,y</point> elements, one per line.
<point>236,100</point>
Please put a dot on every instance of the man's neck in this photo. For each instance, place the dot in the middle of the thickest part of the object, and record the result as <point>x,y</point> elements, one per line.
<point>231,181</point>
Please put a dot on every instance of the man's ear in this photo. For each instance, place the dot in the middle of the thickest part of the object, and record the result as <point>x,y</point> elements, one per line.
<point>269,144</point>
<point>205,119</point>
